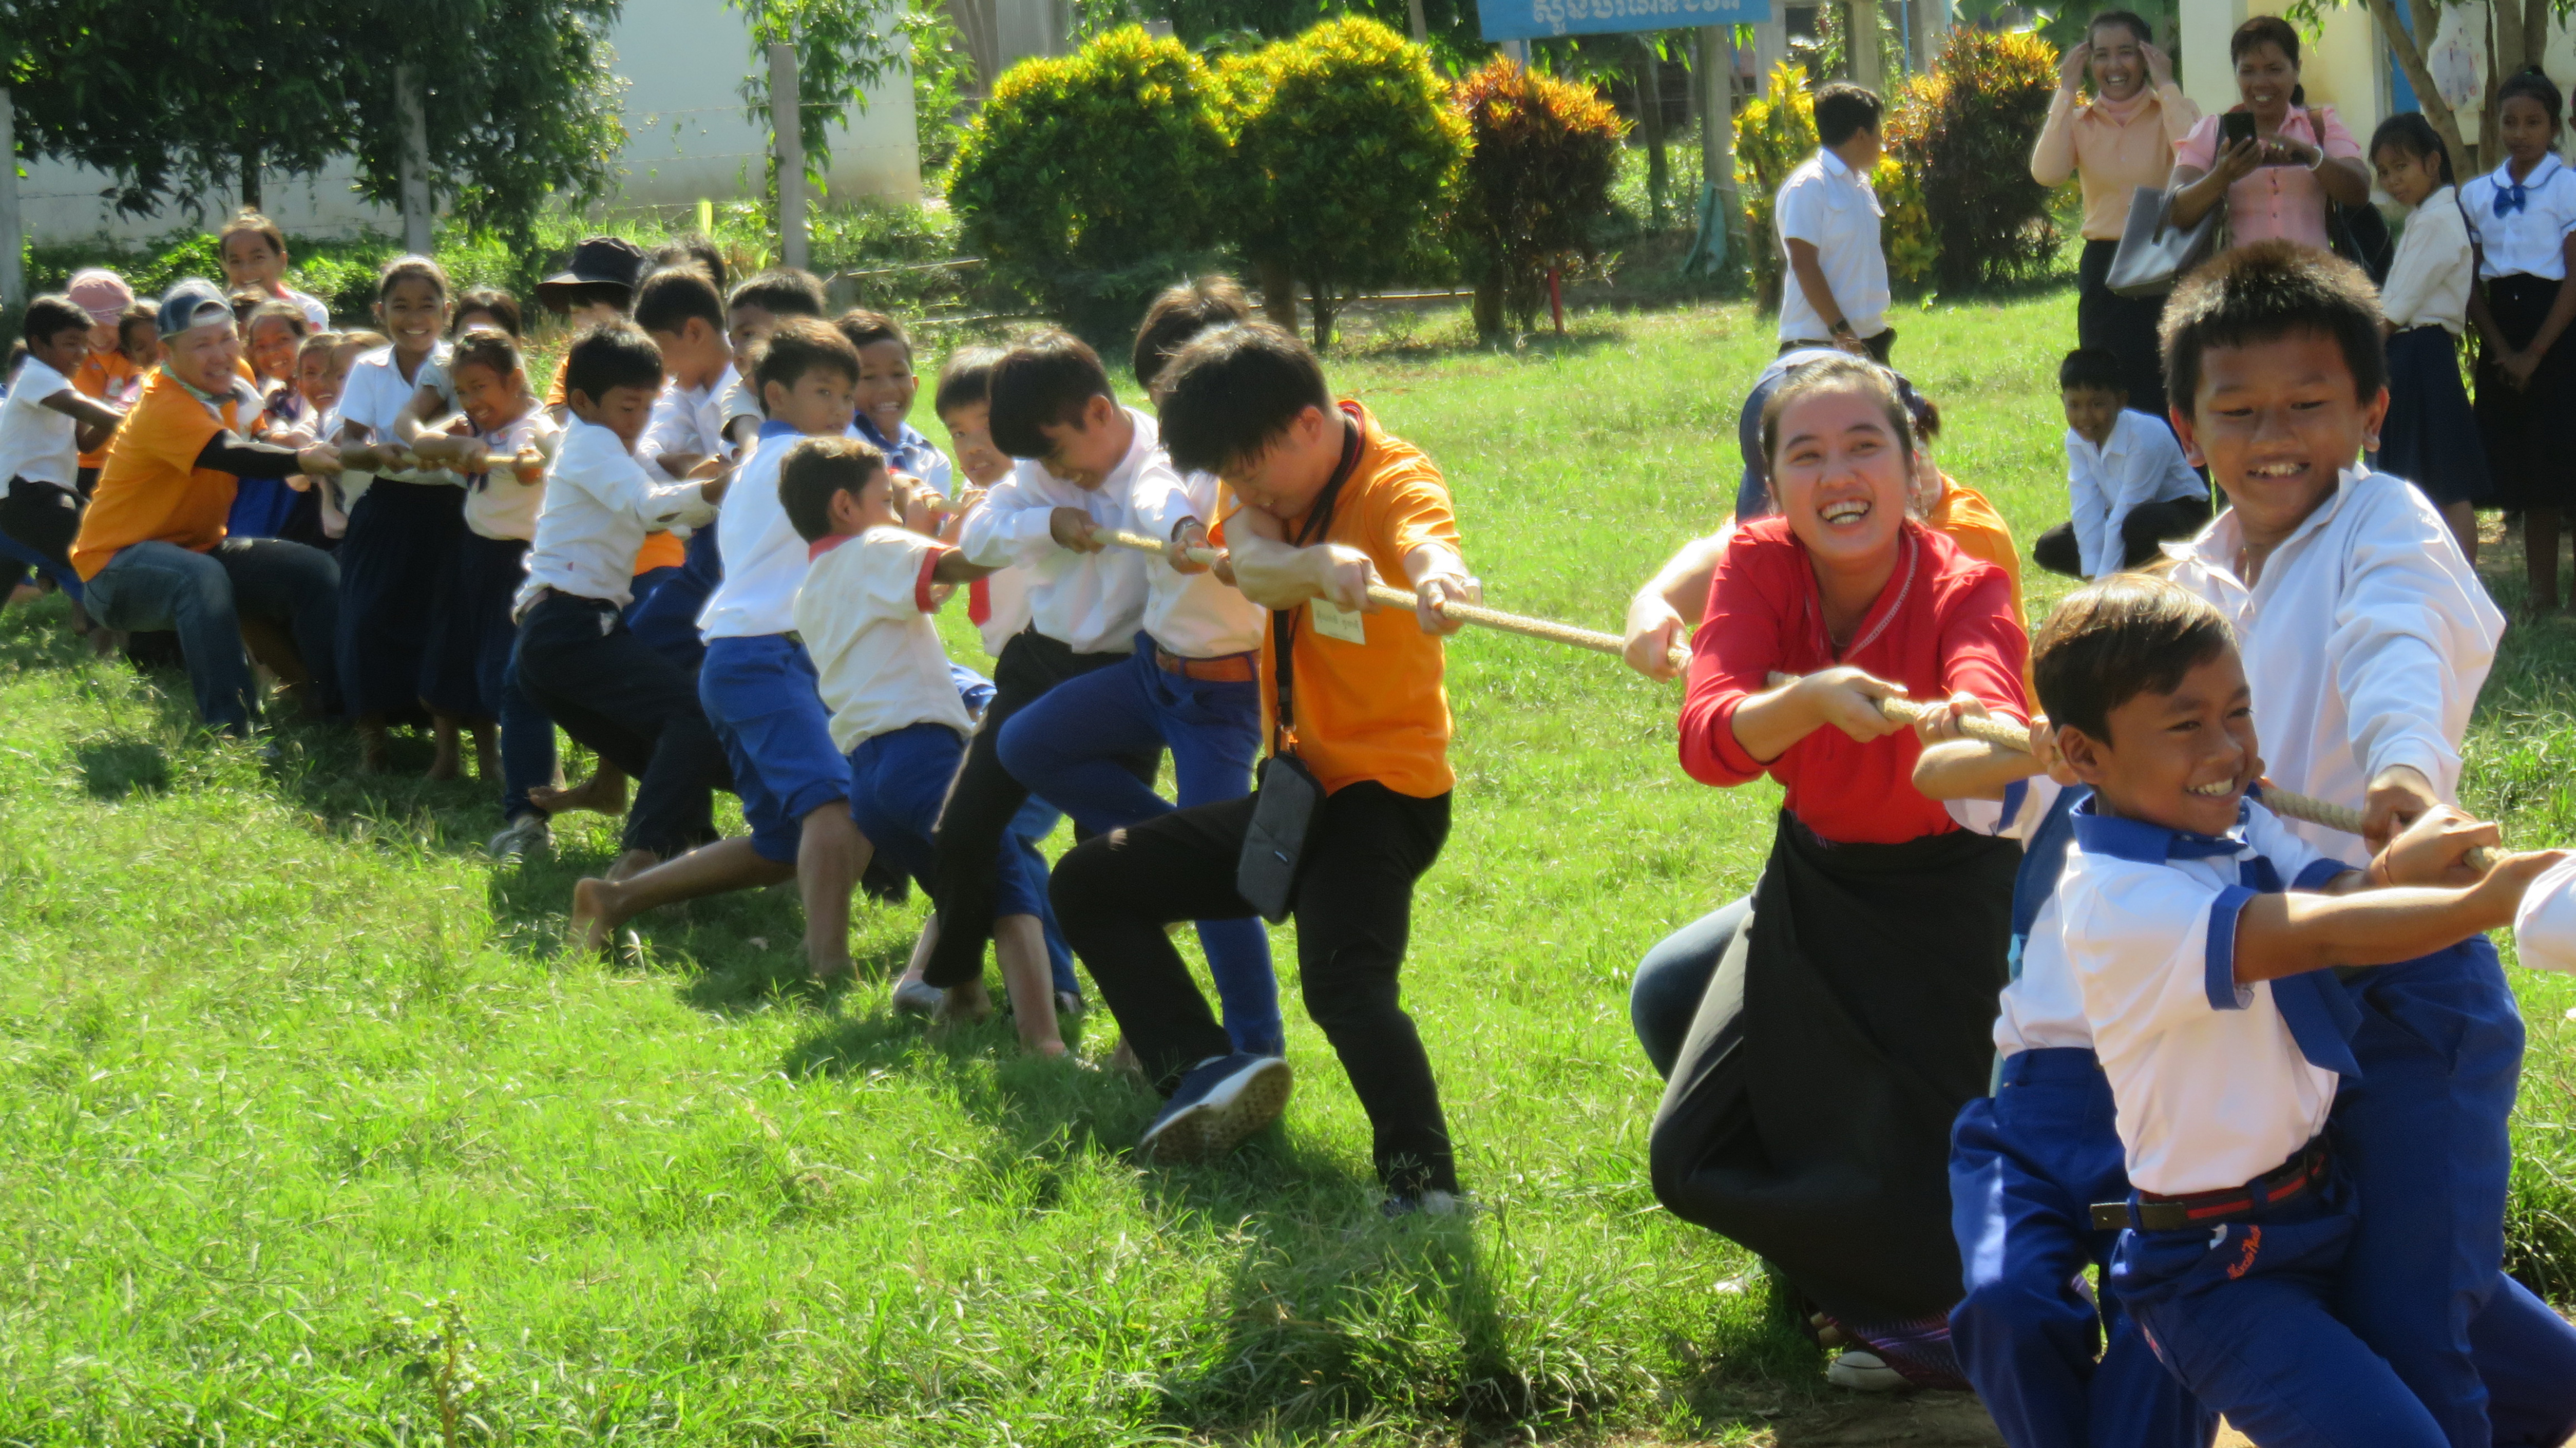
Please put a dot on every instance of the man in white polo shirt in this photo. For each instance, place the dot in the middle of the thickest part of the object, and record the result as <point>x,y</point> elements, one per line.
<point>1835,291</point>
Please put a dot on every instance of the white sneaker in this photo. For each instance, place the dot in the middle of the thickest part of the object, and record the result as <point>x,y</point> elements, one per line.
<point>917,998</point>
<point>525,835</point>
<point>1863,1372</point>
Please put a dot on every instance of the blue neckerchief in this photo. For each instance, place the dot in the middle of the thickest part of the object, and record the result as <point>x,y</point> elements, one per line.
<point>2512,195</point>
<point>2313,1004</point>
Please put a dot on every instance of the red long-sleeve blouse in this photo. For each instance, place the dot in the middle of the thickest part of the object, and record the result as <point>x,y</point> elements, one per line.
<point>1944,622</point>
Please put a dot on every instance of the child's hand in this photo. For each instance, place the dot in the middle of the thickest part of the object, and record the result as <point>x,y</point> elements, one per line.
<point>2434,850</point>
<point>1847,698</point>
<point>1942,721</point>
<point>2518,367</point>
<point>529,465</point>
<point>2499,895</point>
<point>1654,631</point>
<point>1188,534</point>
<point>1071,529</point>
<point>321,460</point>
<point>2398,796</point>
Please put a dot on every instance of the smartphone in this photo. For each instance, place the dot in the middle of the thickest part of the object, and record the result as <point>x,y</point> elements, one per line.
<point>2235,126</point>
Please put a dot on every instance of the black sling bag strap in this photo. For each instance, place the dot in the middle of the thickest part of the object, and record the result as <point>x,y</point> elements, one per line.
<point>1289,800</point>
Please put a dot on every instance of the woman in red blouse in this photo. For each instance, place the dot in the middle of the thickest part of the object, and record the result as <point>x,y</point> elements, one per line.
<point>1808,1116</point>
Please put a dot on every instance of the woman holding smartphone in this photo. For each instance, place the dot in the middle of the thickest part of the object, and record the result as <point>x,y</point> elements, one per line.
<point>2277,161</point>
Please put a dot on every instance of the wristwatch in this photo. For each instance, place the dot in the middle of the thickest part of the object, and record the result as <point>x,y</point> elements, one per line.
<point>1842,328</point>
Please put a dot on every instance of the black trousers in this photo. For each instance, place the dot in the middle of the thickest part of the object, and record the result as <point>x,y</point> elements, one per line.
<point>1354,909</point>
<point>2142,533</point>
<point>44,516</point>
<point>2125,327</point>
<point>577,661</point>
<point>984,797</point>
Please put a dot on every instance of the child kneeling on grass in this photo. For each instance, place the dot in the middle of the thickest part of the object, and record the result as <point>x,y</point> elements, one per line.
<point>2127,484</point>
<point>864,611</point>
<point>2200,933</point>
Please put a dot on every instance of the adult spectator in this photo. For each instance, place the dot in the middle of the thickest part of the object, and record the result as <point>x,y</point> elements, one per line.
<point>152,550</point>
<point>2120,140</point>
<point>1835,294</point>
<point>2278,182</point>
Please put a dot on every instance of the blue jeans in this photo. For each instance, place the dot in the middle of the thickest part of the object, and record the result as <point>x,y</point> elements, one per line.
<point>1066,748</point>
<point>203,596</point>
<point>1664,998</point>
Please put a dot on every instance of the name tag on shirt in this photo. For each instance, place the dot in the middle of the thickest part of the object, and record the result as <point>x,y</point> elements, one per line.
<point>1336,622</point>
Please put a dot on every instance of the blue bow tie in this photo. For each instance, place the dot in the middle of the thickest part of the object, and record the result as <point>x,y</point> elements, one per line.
<point>2510,199</point>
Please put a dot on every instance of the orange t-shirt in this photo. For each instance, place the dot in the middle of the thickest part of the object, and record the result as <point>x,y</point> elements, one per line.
<point>1375,710</point>
<point>1971,522</point>
<point>102,375</point>
<point>660,550</point>
<point>151,489</point>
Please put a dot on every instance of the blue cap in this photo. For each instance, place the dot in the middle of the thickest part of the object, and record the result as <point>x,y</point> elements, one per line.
<point>192,303</point>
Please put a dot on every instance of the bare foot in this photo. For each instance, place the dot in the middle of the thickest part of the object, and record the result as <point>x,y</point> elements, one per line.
<point>629,865</point>
<point>105,642</point>
<point>962,1005</point>
<point>1048,1049</point>
<point>372,758</point>
<point>594,915</point>
<point>447,763</point>
<point>603,792</point>
<point>25,593</point>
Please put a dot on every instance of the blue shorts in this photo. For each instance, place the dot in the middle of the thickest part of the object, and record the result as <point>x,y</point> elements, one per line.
<point>898,781</point>
<point>761,696</point>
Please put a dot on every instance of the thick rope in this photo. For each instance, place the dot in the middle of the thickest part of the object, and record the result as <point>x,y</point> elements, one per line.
<point>2006,734</point>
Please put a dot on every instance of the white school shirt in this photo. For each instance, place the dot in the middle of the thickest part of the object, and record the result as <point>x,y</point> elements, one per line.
<point>2140,463</point>
<point>2366,641</point>
<point>2041,1007</point>
<point>599,504</point>
<point>687,420</point>
<point>2544,928</point>
<point>497,504</point>
<point>1091,602</point>
<point>764,558</point>
<point>2529,239</point>
<point>314,312</point>
<point>2429,278</point>
<point>376,394</point>
<point>1827,204</point>
<point>36,442</point>
<point>1190,614</point>
<point>864,612</point>
<point>2210,1089</point>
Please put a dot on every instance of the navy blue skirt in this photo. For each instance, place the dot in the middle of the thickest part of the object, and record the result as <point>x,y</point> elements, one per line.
<point>2431,437</point>
<point>2523,427</point>
<point>393,563</point>
<point>471,635</point>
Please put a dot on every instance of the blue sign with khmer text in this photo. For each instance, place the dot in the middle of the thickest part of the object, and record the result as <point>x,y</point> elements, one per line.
<point>1541,19</point>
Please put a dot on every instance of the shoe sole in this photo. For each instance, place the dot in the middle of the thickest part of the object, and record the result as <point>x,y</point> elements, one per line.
<point>1211,1130</point>
<point>916,1003</point>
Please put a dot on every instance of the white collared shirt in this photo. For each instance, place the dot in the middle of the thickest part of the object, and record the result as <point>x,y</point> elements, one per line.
<point>2530,240</point>
<point>2366,639</point>
<point>2428,280</point>
<point>686,420</point>
<point>1091,602</point>
<point>1190,614</point>
<point>1826,204</point>
<point>497,504</point>
<point>2544,928</point>
<point>2140,463</point>
<point>376,394</point>
<point>764,556</point>
<point>2211,1090</point>
<point>36,442</point>
<point>2042,1007</point>
<point>865,612</point>
<point>599,504</point>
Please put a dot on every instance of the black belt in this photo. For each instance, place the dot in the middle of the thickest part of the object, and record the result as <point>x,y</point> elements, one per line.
<point>2147,1212</point>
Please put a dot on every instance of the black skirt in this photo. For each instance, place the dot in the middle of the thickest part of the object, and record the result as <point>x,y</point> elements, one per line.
<point>2431,437</point>
<point>1809,1116</point>
<point>2523,427</point>
<point>393,561</point>
<point>470,630</point>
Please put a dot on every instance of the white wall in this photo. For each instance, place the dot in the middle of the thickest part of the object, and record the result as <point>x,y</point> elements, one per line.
<point>686,139</point>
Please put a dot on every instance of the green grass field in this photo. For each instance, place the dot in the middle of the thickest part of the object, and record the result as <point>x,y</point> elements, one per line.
<point>285,1059</point>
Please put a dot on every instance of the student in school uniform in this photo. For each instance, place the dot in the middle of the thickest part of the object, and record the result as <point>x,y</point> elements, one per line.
<point>1191,687</point>
<point>2367,636</point>
<point>684,314</point>
<point>2430,437</point>
<point>575,657</point>
<point>2127,485</point>
<point>254,257</point>
<point>271,337</point>
<point>1833,291</point>
<point>45,424</point>
<point>1331,504</point>
<point>2522,215</point>
<point>2201,934</point>
<point>865,610</point>
<point>887,386</point>
<point>758,687</point>
<point>152,554</point>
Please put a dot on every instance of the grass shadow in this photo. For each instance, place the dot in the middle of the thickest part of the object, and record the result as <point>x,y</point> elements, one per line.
<point>113,768</point>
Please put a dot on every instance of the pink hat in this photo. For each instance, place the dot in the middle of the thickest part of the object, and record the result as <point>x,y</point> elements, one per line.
<point>101,293</point>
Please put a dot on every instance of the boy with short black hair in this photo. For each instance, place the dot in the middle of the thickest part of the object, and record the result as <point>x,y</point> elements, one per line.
<point>1826,218</point>
<point>2202,934</point>
<point>887,386</point>
<point>1180,313</point>
<point>758,686</point>
<point>46,423</point>
<point>2127,484</point>
<point>681,310</point>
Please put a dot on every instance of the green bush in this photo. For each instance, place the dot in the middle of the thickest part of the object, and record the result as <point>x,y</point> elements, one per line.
<point>1350,160</point>
<point>1096,178</point>
<point>1538,183</point>
<point>1965,132</point>
<point>1773,134</point>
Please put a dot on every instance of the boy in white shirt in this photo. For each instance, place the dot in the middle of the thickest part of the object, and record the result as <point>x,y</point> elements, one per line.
<point>2201,934</point>
<point>758,685</point>
<point>1827,218</point>
<point>1050,399</point>
<point>2368,636</point>
<point>865,610</point>
<point>2127,483</point>
<point>575,658</point>
<point>887,387</point>
<point>680,309</point>
<point>45,425</point>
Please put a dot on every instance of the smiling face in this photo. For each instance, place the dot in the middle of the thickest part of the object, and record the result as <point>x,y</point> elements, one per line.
<point>1840,472</point>
<point>249,261</point>
<point>207,358</point>
<point>1086,451</point>
<point>316,380</point>
<point>2405,176</point>
<point>2118,62</point>
<point>970,441</point>
<point>818,403</point>
<point>413,312</point>
<point>2264,79</point>
<point>273,341</point>
<point>2181,760</point>
<point>2275,423</point>
<point>2093,411</point>
<point>491,400</point>
<point>62,351</point>
<point>886,386</point>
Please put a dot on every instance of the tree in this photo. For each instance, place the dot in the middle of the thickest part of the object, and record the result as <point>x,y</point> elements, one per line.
<point>1538,177</point>
<point>1350,160</point>
<point>843,47</point>
<point>2517,35</point>
<point>1965,132</point>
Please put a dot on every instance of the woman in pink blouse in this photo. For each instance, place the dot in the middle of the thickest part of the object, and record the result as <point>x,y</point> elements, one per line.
<point>2278,183</point>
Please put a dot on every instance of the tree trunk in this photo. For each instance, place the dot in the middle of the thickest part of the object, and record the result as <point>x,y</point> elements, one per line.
<point>249,173</point>
<point>1278,294</point>
<point>1320,297</point>
<point>1421,28</point>
<point>2410,59</point>
<point>1650,118</point>
<point>13,277</point>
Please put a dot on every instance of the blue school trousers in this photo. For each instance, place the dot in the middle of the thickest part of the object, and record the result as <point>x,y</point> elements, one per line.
<point>668,601</point>
<point>761,695</point>
<point>2244,1314</point>
<point>898,780</point>
<point>2026,1166</point>
<point>1066,747</point>
<point>2423,1135</point>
